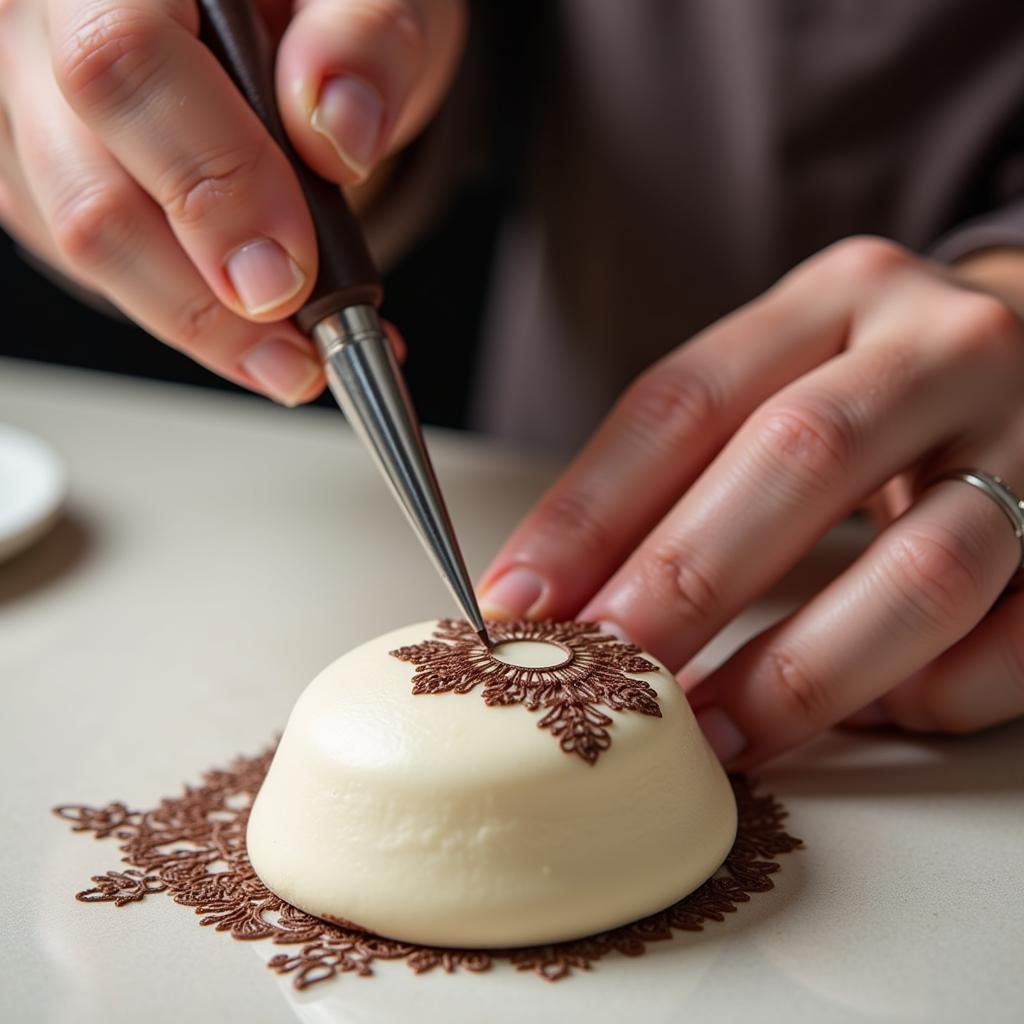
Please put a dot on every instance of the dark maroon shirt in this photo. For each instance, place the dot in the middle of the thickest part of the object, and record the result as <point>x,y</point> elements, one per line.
<point>686,153</point>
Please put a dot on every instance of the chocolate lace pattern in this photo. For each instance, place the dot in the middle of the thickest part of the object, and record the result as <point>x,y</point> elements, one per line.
<point>193,848</point>
<point>592,675</point>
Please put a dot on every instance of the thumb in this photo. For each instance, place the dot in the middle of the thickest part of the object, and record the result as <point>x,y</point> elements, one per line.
<point>357,79</point>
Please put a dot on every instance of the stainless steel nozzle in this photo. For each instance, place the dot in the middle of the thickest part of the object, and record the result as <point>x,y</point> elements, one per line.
<point>367,383</point>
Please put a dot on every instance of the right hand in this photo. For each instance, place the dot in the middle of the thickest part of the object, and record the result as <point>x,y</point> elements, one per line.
<point>130,162</point>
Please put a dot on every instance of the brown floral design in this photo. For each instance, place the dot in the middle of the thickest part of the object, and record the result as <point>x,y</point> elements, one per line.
<point>592,675</point>
<point>193,848</point>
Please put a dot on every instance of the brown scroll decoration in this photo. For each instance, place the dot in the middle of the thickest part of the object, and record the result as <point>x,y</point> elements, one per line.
<point>593,674</point>
<point>193,848</point>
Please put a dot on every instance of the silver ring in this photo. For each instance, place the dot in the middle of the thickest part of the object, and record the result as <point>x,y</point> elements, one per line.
<point>996,488</point>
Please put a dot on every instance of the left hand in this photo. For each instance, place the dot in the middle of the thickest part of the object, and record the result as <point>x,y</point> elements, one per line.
<point>855,382</point>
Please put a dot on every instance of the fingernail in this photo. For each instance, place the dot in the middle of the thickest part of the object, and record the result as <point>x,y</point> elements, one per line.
<point>725,738</point>
<point>350,115</point>
<point>689,677</point>
<point>615,630</point>
<point>282,369</point>
<point>263,275</point>
<point>513,595</point>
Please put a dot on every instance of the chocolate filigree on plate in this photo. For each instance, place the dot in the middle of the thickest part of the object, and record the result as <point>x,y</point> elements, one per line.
<point>592,675</point>
<point>193,848</point>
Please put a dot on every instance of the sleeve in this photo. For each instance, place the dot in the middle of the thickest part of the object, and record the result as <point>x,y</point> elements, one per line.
<point>999,228</point>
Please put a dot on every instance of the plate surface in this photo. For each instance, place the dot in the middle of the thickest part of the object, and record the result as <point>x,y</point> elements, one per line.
<point>235,550</point>
<point>32,488</point>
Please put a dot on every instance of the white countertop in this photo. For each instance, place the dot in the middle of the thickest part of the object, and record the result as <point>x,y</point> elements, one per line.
<point>217,552</point>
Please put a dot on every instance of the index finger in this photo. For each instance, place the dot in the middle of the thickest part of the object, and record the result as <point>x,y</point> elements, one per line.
<point>136,73</point>
<point>668,426</point>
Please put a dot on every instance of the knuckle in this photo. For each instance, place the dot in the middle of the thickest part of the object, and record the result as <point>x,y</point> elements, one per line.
<point>982,326</point>
<point>94,228</point>
<point>687,590</point>
<point>866,258</point>
<point>390,19</point>
<point>798,691</point>
<point>189,194</point>
<point>668,405</point>
<point>569,513</point>
<point>937,575</point>
<point>197,319</point>
<point>812,446</point>
<point>106,54</point>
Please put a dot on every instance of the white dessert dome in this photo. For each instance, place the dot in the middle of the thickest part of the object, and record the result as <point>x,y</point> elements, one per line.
<point>434,791</point>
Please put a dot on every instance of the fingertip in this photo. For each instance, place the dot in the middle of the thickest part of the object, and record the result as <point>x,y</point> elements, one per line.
<point>396,341</point>
<point>724,736</point>
<point>702,693</point>
<point>283,368</point>
<point>349,115</point>
<point>689,678</point>
<point>345,71</point>
<point>517,593</point>
<point>358,79</point>
<point>267,282</point>
<point>317,383</point>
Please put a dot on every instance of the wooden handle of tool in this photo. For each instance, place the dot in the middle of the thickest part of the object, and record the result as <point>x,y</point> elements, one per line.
<point>233,31</point>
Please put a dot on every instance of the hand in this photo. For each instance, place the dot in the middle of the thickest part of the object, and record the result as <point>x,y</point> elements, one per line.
<point>129,161</point>
<point>857,380</point>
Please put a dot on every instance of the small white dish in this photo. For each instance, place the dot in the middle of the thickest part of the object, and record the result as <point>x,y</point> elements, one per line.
<point>33,484</point>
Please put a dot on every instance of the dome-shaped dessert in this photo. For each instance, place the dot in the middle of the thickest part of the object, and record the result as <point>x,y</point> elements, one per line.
<point>431,790</point>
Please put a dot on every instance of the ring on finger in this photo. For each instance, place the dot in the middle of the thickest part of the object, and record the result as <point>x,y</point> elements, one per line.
<point>995,488</point>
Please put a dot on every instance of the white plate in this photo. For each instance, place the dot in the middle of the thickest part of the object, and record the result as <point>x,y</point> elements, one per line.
<point>32,488</point>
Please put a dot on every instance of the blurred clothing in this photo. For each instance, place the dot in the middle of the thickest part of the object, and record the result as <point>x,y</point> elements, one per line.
<point>684,154</point>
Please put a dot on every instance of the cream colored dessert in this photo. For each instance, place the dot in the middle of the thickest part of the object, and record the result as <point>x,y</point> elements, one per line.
<point>456,816</point>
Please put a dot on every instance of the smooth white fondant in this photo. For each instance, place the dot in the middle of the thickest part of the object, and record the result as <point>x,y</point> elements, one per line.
<point>438,819</point>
